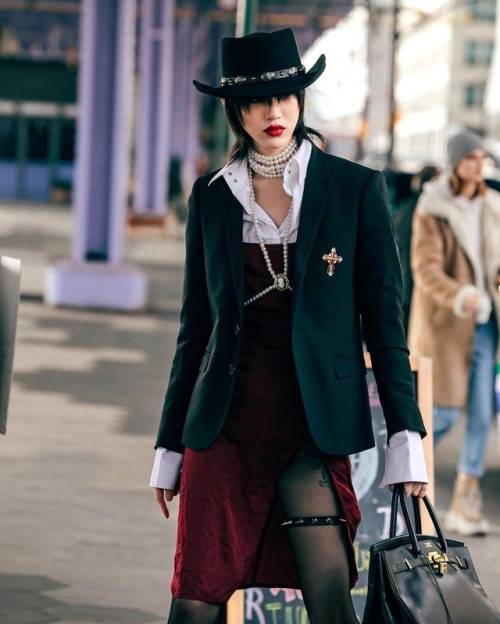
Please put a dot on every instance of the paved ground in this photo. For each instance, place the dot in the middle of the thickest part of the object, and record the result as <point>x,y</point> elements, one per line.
<point>81,540</point>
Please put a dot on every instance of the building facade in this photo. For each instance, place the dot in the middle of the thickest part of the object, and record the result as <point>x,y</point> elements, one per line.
<point>39,60</point>
<point>38,75</point>
<point>442,66</point>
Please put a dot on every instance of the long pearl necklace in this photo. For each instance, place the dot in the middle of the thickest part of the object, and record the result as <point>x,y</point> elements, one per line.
<point>281,281</point>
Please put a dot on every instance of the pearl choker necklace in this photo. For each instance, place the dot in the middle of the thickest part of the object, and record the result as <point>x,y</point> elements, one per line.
<point>280,280</point>
<point>272,166</point>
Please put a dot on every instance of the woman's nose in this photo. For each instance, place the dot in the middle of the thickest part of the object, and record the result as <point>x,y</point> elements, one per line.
<point>274,109</point>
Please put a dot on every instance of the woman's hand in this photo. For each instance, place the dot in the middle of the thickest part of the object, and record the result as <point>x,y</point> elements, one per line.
<point>413,488</point>
<point>162,498</point>
<point>472,303</point>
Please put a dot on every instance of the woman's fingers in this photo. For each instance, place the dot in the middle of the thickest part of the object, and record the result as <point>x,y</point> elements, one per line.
<point>415,488</point>
<point>162,496</point>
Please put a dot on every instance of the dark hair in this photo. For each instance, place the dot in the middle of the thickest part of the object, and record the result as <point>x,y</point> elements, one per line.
<point>234,108</point>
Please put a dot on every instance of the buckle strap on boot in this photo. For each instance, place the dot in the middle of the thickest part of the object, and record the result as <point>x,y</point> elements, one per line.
<point>314,521</point>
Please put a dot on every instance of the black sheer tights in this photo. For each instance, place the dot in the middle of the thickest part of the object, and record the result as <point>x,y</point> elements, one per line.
<point>184,611</point>
<point>320,552</point>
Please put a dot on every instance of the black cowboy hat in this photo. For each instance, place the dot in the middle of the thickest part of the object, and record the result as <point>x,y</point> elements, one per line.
<point>262,65</point>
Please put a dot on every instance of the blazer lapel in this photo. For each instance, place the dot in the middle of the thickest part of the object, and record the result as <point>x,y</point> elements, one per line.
<point>233,217</point>
<point>313,205</point>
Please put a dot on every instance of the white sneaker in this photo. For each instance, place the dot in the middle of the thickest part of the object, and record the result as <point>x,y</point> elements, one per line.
<point>465,515</point>
<point>461,525</point>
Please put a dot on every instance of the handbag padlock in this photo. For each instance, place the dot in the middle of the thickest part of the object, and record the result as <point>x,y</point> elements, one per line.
<point>439,561</point>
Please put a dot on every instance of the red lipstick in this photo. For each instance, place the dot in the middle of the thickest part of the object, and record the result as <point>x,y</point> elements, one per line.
<point>274,130</point>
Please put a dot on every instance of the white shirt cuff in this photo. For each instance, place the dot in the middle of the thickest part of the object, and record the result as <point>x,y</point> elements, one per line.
<point>404,459</point>
<point>166,469</point>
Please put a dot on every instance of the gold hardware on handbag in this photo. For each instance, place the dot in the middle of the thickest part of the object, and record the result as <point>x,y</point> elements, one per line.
<point>439,561</point>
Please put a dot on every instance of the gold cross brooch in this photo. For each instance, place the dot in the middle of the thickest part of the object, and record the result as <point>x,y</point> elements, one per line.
<point>332,258</point>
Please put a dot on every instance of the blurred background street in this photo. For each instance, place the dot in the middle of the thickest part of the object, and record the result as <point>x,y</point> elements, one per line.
<point>81,538</point>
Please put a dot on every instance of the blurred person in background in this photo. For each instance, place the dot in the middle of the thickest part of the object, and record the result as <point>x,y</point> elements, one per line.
<point>403,219</point>
<point>455,257</point>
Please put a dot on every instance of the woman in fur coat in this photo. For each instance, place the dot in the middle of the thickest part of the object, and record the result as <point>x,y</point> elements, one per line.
<point>455,312</point>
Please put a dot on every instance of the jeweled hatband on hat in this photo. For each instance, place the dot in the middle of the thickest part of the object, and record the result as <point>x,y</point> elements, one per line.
<point>262,65</point>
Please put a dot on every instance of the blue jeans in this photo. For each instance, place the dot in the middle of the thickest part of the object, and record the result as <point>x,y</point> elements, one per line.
<point>480,404</point>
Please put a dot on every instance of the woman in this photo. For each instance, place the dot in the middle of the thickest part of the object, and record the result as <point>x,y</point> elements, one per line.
<point>455,312</point>
<point>286,247</point>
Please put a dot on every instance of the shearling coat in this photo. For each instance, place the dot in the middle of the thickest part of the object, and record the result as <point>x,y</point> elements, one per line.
<point>442,263</point>
<point>344,206</point>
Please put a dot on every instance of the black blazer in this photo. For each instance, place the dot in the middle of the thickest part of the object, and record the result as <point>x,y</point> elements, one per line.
<point>345,205</point>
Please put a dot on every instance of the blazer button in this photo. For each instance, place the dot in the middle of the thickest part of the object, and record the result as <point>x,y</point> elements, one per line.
<point>236,330</point>
<point>231,370</point>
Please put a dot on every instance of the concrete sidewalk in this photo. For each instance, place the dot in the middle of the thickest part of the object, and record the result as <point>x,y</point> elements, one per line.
<point>81,538</point>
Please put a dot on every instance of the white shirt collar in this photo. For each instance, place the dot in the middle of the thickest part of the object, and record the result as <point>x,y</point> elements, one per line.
<point>235,173</point>
<point>236,177</point>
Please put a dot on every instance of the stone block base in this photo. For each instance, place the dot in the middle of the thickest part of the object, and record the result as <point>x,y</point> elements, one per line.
<point>96,285</point>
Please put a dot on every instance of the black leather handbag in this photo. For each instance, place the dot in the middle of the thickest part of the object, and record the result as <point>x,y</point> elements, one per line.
<point>423,579</point>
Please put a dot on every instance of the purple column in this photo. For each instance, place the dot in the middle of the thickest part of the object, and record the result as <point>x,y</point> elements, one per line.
<point>96,275</point>
<point>156,80</point>
<point>191,51</point>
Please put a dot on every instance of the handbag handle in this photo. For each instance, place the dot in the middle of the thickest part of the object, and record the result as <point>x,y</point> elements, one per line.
<point>398,495</point>
<point>398,498</point>
<point>416,516</point>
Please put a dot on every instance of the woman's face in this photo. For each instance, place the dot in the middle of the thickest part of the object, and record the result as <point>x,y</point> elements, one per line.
<point>271,122</point>
<point>470,168</point>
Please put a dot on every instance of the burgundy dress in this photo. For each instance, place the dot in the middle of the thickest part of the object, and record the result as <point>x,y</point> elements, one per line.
<point>230,534</point>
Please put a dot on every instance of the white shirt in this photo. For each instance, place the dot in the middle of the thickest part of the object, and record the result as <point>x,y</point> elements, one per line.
<point>236,176</point>
<point>472,210</point>
<point>404,453</point>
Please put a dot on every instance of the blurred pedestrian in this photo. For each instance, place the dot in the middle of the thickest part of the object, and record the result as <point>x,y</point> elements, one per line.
<point>287,247</point>
<point>398,185</point>
<point>403,219</point>
<point>455,311</point>
<point>175,189</point>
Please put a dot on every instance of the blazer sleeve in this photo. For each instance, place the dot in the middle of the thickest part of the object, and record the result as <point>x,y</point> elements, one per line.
<point>195,329</point>
<point>380,293</point>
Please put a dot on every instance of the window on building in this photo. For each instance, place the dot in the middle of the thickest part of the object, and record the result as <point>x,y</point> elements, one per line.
<point>479,52</point>
<point>483,9</point>
<point>8,136</point>
<point>38,139</point>
<point>67,141</point>
<point>474,95</point>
